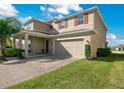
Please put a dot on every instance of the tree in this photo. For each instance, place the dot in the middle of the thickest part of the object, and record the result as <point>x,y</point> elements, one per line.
<point>8,26</point>
<point>106,44</point>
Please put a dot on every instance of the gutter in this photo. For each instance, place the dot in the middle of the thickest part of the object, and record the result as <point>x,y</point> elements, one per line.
<point>81,32</point>
<point>74,34</point>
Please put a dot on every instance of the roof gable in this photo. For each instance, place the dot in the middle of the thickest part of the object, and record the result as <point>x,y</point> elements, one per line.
<point>35,20</point>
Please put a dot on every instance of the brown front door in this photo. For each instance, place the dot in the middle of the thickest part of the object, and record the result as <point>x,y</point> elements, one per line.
<point>47,46</point>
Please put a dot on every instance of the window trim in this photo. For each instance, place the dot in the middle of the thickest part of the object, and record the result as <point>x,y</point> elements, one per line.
<point>62,25</point>
<point>29,26</point>
<point>80,20</point>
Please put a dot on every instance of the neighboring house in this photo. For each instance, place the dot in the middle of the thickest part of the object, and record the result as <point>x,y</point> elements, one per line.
<point>119,47</point>
<point>65,37</point>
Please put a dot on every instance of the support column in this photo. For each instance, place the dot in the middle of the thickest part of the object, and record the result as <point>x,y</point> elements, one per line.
<point>53,41</point>
<point>20,42</point>
<point>14,41</point>
<point>26,45</point>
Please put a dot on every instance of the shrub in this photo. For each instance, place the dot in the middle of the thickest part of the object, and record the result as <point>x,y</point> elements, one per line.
<point>87,50</point>
<point>19,53</point>
<point>9,52</point>
<point>103,52</point>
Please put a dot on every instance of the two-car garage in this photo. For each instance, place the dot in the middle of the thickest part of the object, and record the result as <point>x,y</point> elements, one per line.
<point>70,48</point>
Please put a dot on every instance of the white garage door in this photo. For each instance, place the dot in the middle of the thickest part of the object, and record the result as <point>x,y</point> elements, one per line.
<point>70,48</point>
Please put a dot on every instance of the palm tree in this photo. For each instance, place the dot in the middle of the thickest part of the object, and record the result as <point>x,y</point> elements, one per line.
<point>8,26</point>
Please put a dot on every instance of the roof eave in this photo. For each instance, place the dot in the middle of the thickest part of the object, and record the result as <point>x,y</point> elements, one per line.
<point>74,34</point>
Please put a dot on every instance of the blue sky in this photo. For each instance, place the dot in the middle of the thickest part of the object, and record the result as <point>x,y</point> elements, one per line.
<point>113,15</point>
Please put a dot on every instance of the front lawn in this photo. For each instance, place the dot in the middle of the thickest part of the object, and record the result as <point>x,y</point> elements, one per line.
<point>98,73</point>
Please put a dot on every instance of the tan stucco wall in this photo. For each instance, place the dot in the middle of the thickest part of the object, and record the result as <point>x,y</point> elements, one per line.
<point>50,47</point>
<point>41,27</point>
<point>97,40</point>
<point>71,26</point>
<point>37,44</point>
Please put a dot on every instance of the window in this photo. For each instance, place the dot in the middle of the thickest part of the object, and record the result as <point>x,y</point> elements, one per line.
<point>62,24</point>
<point>80,19</point>
<point>29,26</point>
<point>51,27</point>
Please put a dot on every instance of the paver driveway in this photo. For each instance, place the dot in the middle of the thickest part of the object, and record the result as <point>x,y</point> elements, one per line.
<point>15,71</point>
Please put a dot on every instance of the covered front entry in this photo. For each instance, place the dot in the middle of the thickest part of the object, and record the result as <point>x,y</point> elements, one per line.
<point>38,45</point>
<point>32,43</point>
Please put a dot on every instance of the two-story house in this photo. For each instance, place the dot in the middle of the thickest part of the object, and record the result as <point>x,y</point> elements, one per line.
<point>65,37</point>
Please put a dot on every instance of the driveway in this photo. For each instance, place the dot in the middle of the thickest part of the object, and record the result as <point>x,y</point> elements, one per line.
<point>14,71</point>
<point>118,52</point>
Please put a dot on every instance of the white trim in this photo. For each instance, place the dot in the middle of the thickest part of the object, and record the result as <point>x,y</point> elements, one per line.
<point>20,42</point>
<point>73,27</point>
<point>75,33</point>
<point>31,33</point>
<point>53,41</point>
<point>71,38</point>
<point>26,46</point>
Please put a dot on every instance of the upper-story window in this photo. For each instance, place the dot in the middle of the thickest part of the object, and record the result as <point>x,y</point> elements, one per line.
<point>80,19</point>
<point>29,26</point>
<point>62,24</point>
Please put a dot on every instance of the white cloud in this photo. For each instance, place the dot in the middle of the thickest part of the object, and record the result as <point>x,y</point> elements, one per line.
<point>42,8</point>
<point>60,16</point>
<point>57,5</point>
<point>111,36</point>
<point>74,7</point>
<point>58,10</point>
<point>24,19</point>
<point>7,10</point>
<point>64,8</point>
<point>51,10</point>
<point>41,20</point>
<point>49,16</point>
<point>113,39</point>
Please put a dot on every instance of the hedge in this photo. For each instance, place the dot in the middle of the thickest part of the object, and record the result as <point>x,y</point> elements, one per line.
<point>87,50</point>
<point>103,52</point>
<point>19,53</point>
<point>11,52</point>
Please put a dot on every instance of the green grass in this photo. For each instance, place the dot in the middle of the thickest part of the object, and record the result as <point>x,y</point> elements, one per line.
<point>98,73</point>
